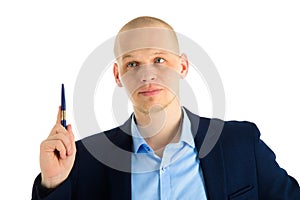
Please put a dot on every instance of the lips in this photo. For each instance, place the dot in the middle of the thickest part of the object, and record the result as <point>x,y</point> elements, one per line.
<point>150,91</point>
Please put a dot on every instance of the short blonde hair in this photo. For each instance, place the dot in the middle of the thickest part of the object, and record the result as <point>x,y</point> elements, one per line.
<point>146,22</point>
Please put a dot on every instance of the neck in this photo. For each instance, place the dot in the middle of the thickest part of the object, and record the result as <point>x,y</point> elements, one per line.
<point>159,127</point>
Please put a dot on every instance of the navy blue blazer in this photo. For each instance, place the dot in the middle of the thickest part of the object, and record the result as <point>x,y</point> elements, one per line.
<point>239,166</point>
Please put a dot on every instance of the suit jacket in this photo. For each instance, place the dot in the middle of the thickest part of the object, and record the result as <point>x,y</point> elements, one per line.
<point>238,166</point>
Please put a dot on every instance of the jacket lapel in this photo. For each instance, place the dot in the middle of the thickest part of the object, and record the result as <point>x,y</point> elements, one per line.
<point>120,181</point>
<point>206,133</point>
<point>214,173</point>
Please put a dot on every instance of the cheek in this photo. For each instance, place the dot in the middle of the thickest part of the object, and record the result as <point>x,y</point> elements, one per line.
<point>122,71</point>
<point>176,66</point>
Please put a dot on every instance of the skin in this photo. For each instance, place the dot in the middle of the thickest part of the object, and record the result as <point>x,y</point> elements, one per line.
<point>57,154</point>
<point>150,109</point>
<point>58,150</point>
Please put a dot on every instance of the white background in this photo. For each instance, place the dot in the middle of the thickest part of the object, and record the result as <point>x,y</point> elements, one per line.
<point>255,46</point>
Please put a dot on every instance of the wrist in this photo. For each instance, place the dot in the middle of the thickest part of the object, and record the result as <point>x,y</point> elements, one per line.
<point>50,183</point>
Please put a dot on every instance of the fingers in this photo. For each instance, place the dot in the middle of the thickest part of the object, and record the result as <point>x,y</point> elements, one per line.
<point>51,146</point>
<point>61,140</point>
<point>58,128</point>
<point>58,119</point>
<point>70,131</point>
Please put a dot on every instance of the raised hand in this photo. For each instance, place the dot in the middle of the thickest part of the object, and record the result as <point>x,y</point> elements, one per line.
<point>57,154</point>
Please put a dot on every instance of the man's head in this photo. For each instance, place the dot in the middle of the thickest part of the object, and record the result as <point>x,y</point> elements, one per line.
<point>148,63</point>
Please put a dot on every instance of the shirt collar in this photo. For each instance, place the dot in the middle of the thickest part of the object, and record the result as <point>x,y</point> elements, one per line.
<point>140,145</point>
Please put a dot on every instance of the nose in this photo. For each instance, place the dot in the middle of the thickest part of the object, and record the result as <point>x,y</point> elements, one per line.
<point>148,74</point>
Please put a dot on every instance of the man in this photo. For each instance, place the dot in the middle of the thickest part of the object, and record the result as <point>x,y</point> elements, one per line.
<point>163,139</point>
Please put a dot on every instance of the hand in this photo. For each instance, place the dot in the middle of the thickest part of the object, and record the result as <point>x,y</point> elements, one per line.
<point>57,154</point>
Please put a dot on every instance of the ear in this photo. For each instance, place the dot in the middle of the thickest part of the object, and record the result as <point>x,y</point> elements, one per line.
<point>184,64</point>
<point>116,75</point>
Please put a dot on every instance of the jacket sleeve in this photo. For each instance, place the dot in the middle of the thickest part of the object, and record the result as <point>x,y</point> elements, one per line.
<point>273,181</point>
<point>63,191</point>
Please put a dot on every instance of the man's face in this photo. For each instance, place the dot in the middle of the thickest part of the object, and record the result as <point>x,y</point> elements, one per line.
<point>151,77</point>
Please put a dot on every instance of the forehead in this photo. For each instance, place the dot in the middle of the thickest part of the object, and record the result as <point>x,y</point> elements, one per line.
<point>146,38</point>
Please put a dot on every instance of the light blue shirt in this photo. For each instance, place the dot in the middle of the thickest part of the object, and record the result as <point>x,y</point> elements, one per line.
<point>177,175</point>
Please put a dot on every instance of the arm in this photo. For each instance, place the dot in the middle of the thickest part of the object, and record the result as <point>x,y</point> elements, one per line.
<point>273,181</point>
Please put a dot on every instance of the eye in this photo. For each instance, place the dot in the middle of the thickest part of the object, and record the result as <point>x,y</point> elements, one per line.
<point>159,60</point>
<point>131,64</point>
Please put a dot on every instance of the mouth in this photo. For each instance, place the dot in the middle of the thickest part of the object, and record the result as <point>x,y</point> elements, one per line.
<point>150,92</point>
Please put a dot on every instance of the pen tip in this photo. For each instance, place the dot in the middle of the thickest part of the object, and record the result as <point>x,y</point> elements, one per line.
<point>63,101</point>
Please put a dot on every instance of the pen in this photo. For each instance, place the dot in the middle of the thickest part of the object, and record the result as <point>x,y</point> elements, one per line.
<point>63,107</point>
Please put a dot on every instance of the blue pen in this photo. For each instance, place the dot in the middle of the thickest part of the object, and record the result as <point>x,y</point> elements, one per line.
<point>63,107</point>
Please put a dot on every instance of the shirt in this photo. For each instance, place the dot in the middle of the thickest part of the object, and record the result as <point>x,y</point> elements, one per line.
<point>177,175</point>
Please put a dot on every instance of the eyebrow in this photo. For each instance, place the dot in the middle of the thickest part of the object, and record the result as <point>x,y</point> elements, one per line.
<point>155,53</point>
<point>159,52</point>
<point>126,56</point>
